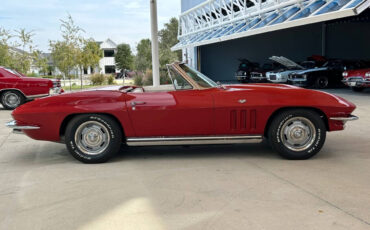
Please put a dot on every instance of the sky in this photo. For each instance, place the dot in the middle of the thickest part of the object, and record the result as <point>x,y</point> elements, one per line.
<point>123,21</point>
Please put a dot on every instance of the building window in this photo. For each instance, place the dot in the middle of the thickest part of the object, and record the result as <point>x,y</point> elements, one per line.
<point>108,53</point>
<point>110,69</point>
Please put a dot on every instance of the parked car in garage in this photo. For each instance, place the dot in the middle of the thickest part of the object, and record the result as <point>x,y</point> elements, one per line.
<point>246,67</point>
<point>259,75</point>
<point>281,75</point>
<point>193,110</point>
<point>16,88</point>
<point>330,74</point>
<point>358,80</point>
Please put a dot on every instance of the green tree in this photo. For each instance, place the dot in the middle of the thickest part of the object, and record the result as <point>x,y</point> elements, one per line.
<point>168,38</point>
<point>124,57</point>
<point>4,47</point>
<point>40,61</point>
<point>23,60</point>
<point>67,53</point>
<point>143,59</point>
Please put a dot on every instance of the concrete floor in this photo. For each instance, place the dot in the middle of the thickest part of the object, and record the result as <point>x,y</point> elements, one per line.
<point>206,187</point>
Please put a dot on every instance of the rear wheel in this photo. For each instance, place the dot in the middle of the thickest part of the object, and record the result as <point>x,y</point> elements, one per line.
<point>93,138</point>
<point>12,99</point>
<point>358,89</point>
<point>322,82</point>
<point>297,134</point>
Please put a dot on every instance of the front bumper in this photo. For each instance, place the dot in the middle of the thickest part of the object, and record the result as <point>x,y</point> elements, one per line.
<point>357,82</point>
<point>19,128</point>
<point>298,82</point>
<point>345,119</point>
<point>55,91</point>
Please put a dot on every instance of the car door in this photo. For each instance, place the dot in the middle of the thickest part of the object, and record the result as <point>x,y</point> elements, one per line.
<point>182,112</point>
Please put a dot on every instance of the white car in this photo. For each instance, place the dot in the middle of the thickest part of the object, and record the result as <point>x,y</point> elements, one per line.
<point>281,76</point>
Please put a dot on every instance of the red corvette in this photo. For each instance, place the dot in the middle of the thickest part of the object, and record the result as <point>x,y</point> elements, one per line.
<point>358,80</point>
<point>16,88</point>
<point>193,110</point>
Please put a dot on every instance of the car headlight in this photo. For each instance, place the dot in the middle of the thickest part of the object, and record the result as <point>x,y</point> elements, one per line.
<point>345,74</point>
<point>367,75</point>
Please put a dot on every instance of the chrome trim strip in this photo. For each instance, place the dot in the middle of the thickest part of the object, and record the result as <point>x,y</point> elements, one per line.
<point>13,125</point>
<point>37,96</point>
<point>194,140</point>
<point>350,118</point>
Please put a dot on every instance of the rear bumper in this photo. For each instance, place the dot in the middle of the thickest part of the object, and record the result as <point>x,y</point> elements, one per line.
<point>19,128</point>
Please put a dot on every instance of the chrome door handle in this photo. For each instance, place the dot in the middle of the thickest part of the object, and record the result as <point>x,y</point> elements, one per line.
<point>134,103</point>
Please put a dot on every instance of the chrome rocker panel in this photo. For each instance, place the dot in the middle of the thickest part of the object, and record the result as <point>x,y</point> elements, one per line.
<point>198,140</point>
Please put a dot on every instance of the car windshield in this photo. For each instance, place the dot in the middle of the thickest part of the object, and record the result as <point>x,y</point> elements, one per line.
<point>13,72</point>
<point>198,77</point>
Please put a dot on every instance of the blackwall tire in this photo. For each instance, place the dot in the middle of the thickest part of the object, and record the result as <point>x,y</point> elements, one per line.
<point>93,138</point>
<point>297,134</point>
<point>12,99</point>
<point>322,82</point>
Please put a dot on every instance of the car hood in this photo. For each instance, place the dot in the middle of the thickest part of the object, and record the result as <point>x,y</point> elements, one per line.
<point>307,97</point>
<point>312,70</point>
<point>358,73</point>
<point>35,79</point>
<point>286,62</point>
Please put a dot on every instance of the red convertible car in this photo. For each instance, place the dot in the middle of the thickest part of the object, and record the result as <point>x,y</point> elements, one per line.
<point>193,110</point>
<point>16,88</point>
<point>358,80</point>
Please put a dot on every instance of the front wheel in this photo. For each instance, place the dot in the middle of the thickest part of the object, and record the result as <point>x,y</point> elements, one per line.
<point>322,82</point>
<point>297,134</point>
<point>93,138</point>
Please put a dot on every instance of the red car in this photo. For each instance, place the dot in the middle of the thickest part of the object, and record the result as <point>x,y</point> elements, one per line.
<point>16,88</point>
<point>193,110</point>
<point>358,80</point>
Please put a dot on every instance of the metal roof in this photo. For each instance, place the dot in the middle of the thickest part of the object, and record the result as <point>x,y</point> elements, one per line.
<point>221,20</point>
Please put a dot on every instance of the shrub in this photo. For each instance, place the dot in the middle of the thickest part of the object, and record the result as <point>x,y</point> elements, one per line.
<point>97,79</point>
<point>148,78</point>
<point>110,79</point>
<point>138,80</point>
<point>33,74</point>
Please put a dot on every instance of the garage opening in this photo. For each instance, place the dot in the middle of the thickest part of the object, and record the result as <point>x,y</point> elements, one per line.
<point>346,38</point>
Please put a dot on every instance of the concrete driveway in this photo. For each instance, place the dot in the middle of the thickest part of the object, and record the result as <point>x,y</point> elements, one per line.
<point>206,187</point>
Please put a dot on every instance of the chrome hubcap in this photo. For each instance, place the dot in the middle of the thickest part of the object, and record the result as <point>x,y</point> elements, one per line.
<point>298,133</point>
<point>11,100</point>
<point>92,138</point>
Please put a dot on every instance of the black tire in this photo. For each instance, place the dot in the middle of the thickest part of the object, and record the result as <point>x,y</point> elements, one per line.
<point>357,89</point>
<point>96,126</point>
<point>279,141</point>
<point>321,82</point>
<point>12,99</point>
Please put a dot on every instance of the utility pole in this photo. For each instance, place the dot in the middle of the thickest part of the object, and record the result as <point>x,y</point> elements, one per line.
<point>155,52</point>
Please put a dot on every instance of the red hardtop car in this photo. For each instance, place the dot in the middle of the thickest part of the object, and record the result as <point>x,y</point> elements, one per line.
<point>16,88</point>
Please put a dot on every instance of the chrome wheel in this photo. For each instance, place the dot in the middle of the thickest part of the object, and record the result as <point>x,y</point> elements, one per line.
<point>298,134</point>
<point>11,100</point>
<point>92,138</point>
